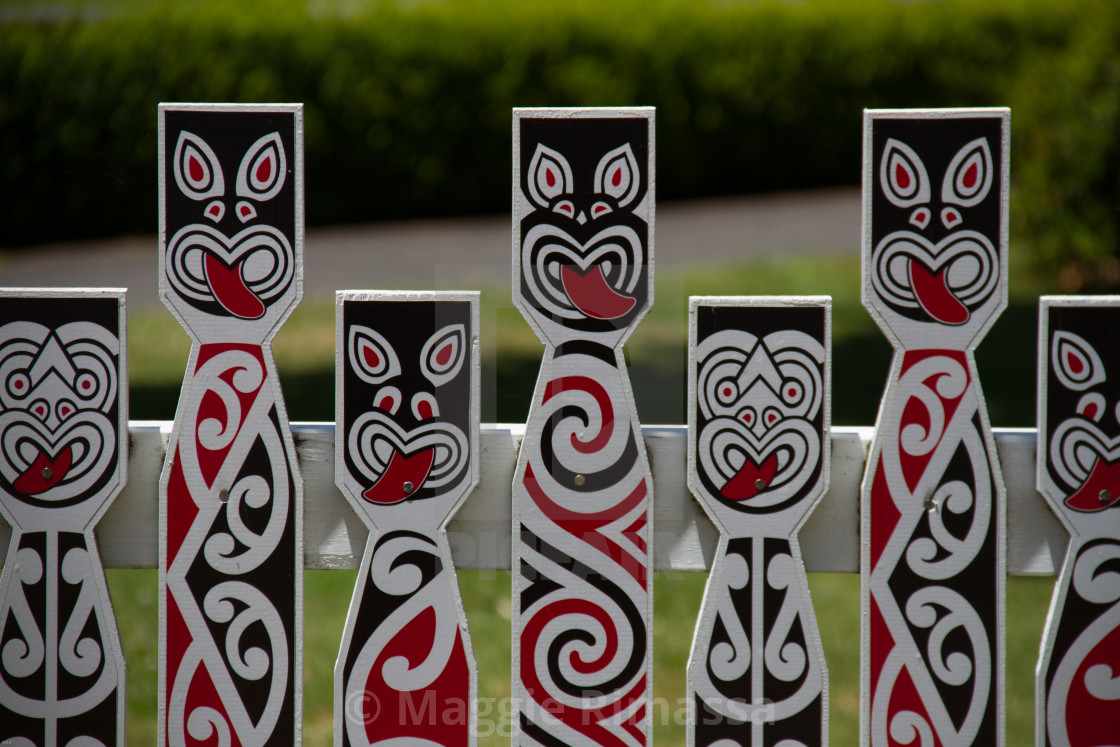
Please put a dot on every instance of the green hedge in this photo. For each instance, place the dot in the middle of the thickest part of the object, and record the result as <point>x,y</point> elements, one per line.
<point>408,107</point>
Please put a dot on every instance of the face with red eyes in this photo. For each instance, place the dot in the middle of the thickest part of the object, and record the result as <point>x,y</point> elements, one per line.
<point>406,398</point>
<point>584,230</point>
<point>57,410</point>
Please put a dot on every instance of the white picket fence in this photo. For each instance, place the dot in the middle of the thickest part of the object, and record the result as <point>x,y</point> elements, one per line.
<point>480,534</point>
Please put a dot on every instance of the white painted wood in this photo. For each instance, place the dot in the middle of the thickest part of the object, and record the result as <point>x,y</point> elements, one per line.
<point>683,539</point>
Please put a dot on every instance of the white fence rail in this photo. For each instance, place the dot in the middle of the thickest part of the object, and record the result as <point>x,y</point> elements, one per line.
<point>480,535</point>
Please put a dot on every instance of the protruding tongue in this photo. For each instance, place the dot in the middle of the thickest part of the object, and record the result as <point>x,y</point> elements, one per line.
<point>230,289</point>
<point>934,295</point>
<point>402,478</point>
<point>1100,491</point>
<point>745,484</point>
<point>593,295</point>
<point>44,473</point>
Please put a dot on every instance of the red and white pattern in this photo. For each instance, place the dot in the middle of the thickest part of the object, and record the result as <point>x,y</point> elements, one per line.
<point>758,464</point>
<point>933,499</point>
<point>1078,675</point>
<point>63,454</point>
<point>582,585</point>
<point>407,414</point>
<point>231,559</point>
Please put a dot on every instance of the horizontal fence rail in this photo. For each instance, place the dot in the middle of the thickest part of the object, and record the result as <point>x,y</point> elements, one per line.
<point>480,534</point>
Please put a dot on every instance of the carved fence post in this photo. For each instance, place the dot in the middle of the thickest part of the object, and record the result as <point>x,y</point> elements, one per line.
<point>1078,675</point>
<point>933,523</point>
<point>583,278</point>
<point>758,462</point>
<point>406,457</point>
<point>63,455</point>
<point>231,497</point>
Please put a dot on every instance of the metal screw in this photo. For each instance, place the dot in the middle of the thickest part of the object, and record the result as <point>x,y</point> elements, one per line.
<point>46,473</point>
<point>223,495</point>
<point>931,505</point>
<point>580,480</point>
<point>407,487</point>
<point>760,484</point>
<point>1105,496</point>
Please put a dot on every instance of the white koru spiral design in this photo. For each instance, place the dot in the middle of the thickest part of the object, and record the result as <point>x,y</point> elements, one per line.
<point>968,259</point>
<point>376,437</point>
<point>546,252</point>
<point>266,259</point>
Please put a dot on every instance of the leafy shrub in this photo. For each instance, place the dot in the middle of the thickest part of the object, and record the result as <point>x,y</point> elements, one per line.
<point>407,107</point>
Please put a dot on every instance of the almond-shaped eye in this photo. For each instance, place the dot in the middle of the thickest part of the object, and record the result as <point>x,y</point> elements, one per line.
<point>40,409</point>
<point>263,170</point>
<point>197,171</point>
<point>902,175</point>
<point>245,211</point>
<point>442,356</point>
<point>1075,362</point>
<point>215,211</point>
<point>424,406</point>
<point>64,409</point>
<point>920,217</point>
<point>86,385</point>
<point>19,385</point>
<point>388,398</point>
<point>565,208</point>
<point>549,176</point>
<point>600,209</point>
<point>969,176</point>
<point>1091,405</point>
<point>951,217</point>
<point>617,176</point>
<point>371,356</point>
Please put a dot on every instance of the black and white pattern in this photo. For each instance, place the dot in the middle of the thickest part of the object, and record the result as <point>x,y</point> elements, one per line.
<point>63,449</point>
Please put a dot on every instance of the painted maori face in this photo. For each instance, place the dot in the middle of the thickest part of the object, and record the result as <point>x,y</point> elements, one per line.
<point>1083,410</point>
<point>230,208</point>
<point>58,409</point>
<point>937,256</point>
<point>759,410</point>
<point>407,406</point>
<point>584,242</point>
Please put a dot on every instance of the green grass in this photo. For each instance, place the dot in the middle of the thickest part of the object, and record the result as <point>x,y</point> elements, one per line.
<point>304,352</point>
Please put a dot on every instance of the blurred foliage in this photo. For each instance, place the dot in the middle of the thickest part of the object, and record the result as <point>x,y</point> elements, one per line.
<point>407,104</point>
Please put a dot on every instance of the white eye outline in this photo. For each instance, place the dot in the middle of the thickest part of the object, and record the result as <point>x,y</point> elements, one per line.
<point>1061,345</point>
<point>626,190</point>
<point>390,393</point>
<point>215,210</point>
<point>245,211</point>
<point>212,183</point>
<point>540,191</point>
<point>978,154</point>
<point>920,217</point>
<point>565,207</point>
<point>440,373</point>
<point>951,217</point>
<point>21,375</point>
<point>427,399</point>
<point>898,154</point>
<point>269,147</point>
<point>388,367</point>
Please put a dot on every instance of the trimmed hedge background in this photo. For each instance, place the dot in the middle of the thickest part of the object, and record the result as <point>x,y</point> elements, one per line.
<point>407,105</point>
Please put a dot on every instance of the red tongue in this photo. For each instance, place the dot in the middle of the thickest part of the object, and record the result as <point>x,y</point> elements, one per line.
<point>230,289</point>
<point>742,485</point>
<point>934,295</point>
<point>413,469</point>
<point>593,295</point>
<point>1104,477</point>
<point>32,482</point>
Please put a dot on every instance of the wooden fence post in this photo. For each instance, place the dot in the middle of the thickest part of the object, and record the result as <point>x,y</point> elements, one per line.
<point>231,496</point>
<point>583,278</point>
<point>1078,675</point>
<point>406,457</point>
<point>63,458</point>
<point>758,462</point>
<point>933,557</point>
